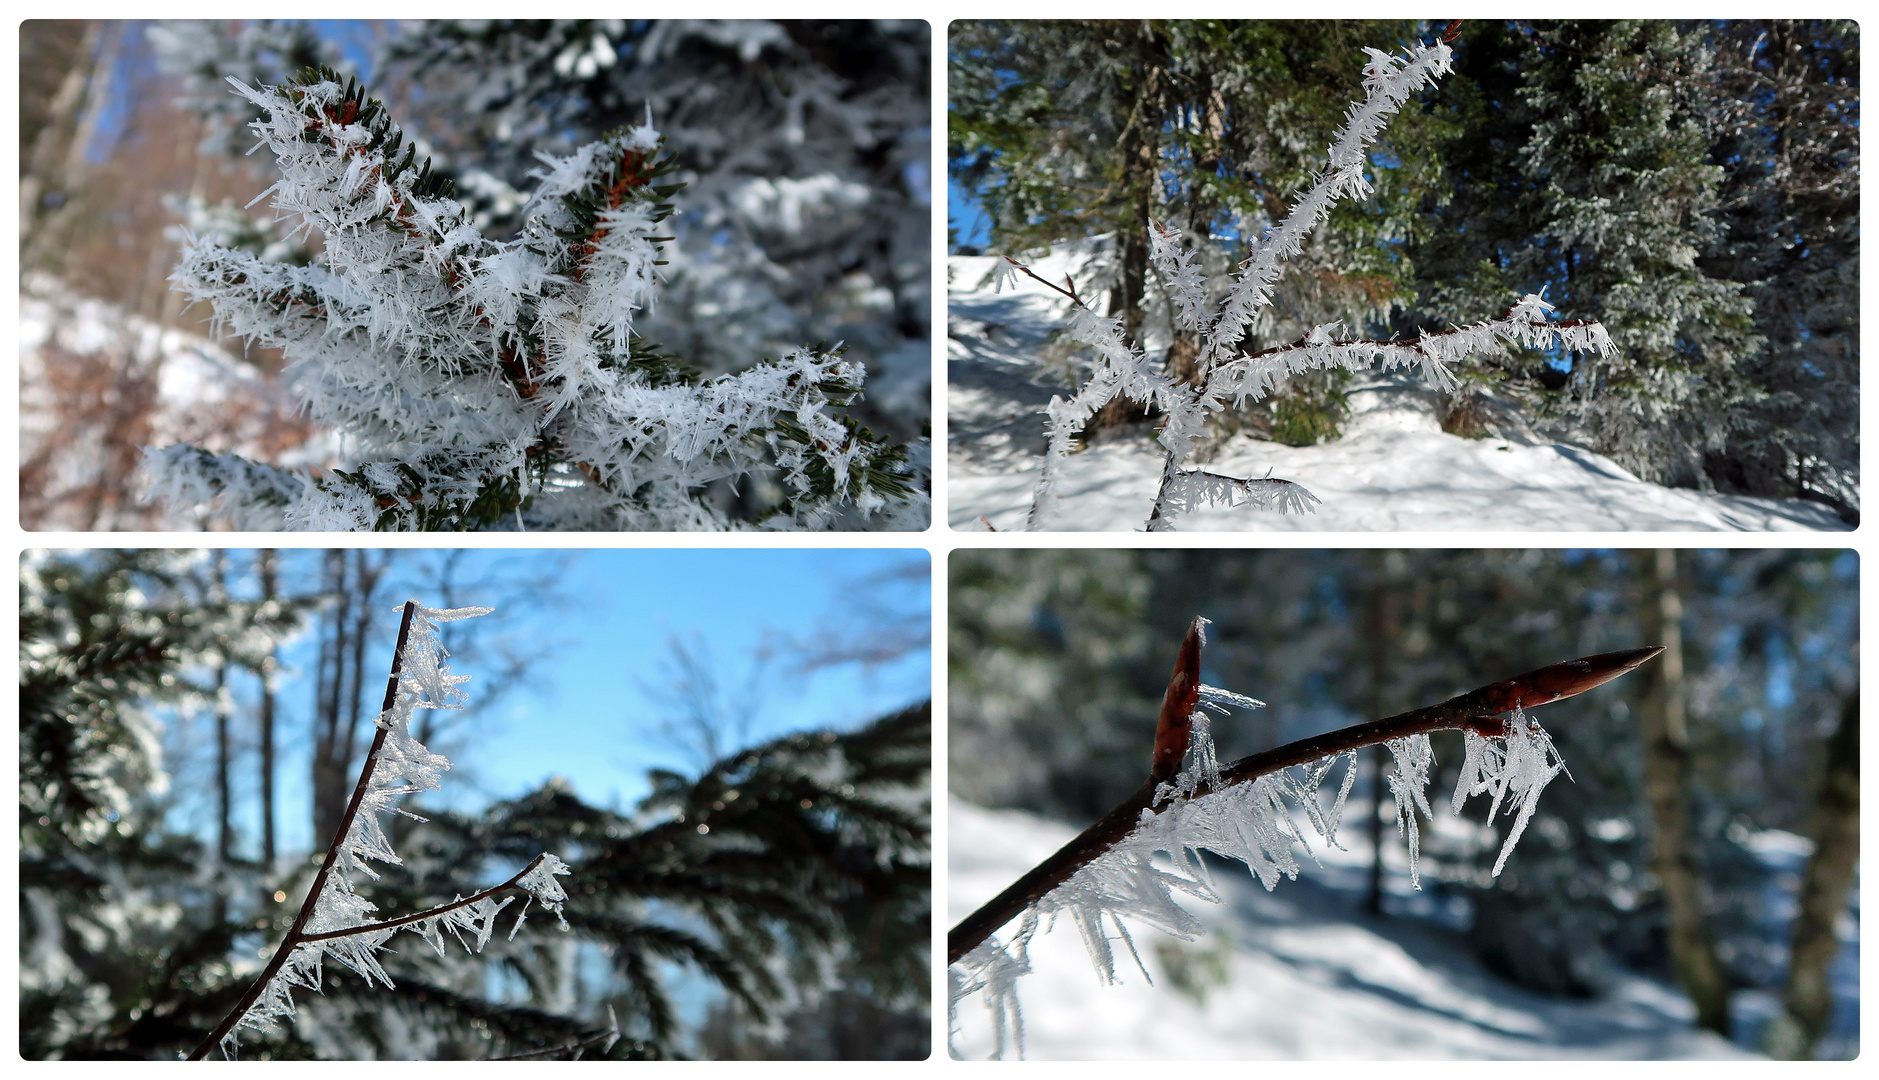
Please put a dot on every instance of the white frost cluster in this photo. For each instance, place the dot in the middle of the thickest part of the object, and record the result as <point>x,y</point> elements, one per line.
<point>497,385</point>
<point>1224,380</point>
<point>1520,764</point>
<point>1254,822</point>
<point>993,970</point>
<point>404,766</point>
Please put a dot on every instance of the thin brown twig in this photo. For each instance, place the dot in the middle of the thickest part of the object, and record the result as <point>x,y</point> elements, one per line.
<point>294,936</point>
<point>610,1036</point>
<point>1032,274</point>
<point>1470,711</point>
<point>406,920</point>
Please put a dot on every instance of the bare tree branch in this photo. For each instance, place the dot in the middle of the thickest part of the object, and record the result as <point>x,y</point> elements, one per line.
<point>1470,711</point>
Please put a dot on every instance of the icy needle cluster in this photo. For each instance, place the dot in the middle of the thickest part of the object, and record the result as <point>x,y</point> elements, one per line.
<point>1255,822</point>
<point>477,384</point>
<point>402,766</point>
<point>1121,369</point>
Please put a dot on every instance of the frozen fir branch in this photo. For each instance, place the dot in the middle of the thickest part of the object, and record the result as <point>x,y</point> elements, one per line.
<point>1222,379</point>
<point>477,384</point>
<point>1249,811</point>
<point>335,921</point>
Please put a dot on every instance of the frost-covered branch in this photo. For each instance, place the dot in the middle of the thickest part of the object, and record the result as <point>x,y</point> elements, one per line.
<point>478,384</point>
<point>1222,380</point>
<point>333,919</point>
<point>1244,810</point>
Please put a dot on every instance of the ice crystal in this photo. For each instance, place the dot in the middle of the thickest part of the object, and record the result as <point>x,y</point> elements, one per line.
<point>480,384</point>
<point>1254,822</point>
<point>403,766</point>
<point>993,970</point>
<point>1409,785</point>
<point>1521,765</point>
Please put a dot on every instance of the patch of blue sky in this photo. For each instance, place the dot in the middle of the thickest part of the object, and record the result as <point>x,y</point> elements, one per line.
<point>588,710</point>
<point>967,223</point>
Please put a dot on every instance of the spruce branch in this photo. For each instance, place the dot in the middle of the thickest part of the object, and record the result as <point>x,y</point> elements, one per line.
<point>332,920</point>
<point>1472,712</point>
<point>485,384</point>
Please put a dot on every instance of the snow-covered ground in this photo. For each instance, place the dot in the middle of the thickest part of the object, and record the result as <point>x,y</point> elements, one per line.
<point>1393,469</point>
<point>1296,973</point>
<point>93,376</point>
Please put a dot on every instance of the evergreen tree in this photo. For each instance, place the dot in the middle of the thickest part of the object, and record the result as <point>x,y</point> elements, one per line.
<point>1628,202</point>
<point>802,145</point>
<point>1783,124</point>
<point>125,925</point>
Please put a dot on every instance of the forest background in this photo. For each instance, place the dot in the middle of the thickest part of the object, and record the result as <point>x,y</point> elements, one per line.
<point>1692,185</point>
<point>741,789</point>
<point>1057,662</point>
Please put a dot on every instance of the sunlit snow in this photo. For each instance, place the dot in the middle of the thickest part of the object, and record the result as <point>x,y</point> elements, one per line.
<point>1393,468</point>
<point>1295,973</point>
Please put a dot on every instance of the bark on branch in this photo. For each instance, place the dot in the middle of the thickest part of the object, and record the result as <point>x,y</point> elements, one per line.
<point>1473,711</point>
<point>296,934</point>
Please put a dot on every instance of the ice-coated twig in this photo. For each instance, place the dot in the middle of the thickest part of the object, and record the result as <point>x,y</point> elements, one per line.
<point>333,921</point>
<point>1121,369</point>
<point>1473,711</point>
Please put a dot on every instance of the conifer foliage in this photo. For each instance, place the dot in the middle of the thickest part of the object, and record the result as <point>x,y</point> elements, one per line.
<point>482,385</point>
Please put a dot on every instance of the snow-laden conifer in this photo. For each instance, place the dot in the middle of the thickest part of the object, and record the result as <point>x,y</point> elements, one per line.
<point>479,384</point>
<point>337,922</point>
<point>1224,377</point>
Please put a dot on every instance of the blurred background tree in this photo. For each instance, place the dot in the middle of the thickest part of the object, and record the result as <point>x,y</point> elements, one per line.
<point>1057,661</point>
<point>1693,185</point>
<point>181,710</point>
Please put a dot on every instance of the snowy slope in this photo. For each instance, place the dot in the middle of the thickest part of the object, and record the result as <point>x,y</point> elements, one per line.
<point>1394,468</point>
<point>93,375</point>
<point>1295,974</point>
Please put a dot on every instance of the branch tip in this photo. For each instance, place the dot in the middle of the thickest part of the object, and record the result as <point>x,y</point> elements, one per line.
<point>1173,729</point>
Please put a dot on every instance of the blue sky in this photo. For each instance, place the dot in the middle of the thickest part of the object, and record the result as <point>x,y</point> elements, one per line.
<point>591,719</point>
<point>589,707</point>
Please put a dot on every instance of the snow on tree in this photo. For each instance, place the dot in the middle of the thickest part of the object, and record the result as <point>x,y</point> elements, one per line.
<point>479,384</point>
<point>1246,811</point>
<point>803,145</point>
<point>1223,376</point>
<point>203,53</point>
<point>335,921</point>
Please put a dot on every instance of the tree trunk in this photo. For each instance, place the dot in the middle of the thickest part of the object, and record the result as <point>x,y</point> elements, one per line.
<point>224,835</point>
<point>1379,632</point>
<point>1807,1002</point>
<point>269,594</point>
<point>329,780</point>
<point>1667,783</point>
<point>1138,151</point>
<point>52,143</point>
<point>353,579</point>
